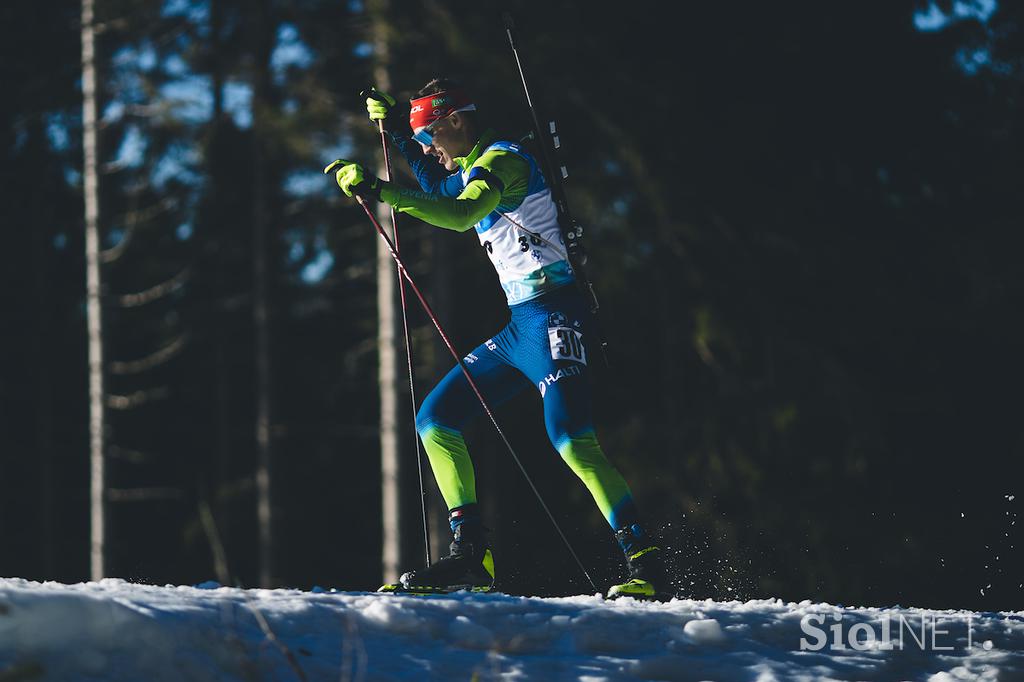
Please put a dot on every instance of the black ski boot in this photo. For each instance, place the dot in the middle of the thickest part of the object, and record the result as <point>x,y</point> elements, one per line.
<point>469,566</point>
<point>647,576</point>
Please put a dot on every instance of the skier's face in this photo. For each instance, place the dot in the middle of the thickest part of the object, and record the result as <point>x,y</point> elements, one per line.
<point>446,141</point>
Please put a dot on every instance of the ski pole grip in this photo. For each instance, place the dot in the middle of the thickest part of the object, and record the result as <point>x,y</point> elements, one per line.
<point>373,93</point>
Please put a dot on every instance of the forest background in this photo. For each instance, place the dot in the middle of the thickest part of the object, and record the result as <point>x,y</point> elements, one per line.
<point>804,226</point>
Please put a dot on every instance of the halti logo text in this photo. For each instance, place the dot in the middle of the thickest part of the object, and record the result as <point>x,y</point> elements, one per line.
<point>550,379</point>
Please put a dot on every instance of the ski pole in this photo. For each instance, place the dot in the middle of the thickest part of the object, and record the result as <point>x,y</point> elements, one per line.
<point>472,384</point>
<point>408,341</point>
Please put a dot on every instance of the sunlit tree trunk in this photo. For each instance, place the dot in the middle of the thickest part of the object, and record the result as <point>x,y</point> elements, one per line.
<point>398,517</point>
<point>389,368</point>
<point>97,516</point>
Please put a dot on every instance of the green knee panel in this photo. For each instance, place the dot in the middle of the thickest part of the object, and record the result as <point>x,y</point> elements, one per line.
<point>449,459</point>
<point>584,456</point>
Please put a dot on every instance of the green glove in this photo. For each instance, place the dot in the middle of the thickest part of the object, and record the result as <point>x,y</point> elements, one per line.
<point>380,106</point>
<point>353,180</point>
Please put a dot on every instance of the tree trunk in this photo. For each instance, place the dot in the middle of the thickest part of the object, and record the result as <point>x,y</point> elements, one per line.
<point>43,353</point>
<point>399,518</point>
<point>261,304</point>
<point>216,512</point>
<point>97,516</point>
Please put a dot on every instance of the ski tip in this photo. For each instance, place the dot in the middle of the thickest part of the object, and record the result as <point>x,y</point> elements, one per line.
<point>638,589</point>
<point>656,597</point>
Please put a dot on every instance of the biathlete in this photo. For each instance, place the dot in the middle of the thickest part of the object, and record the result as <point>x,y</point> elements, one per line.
<point>471,178</point>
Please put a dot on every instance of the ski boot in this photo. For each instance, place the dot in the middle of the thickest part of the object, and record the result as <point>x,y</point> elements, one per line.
<point>468,567</point>
<point>647,576</point>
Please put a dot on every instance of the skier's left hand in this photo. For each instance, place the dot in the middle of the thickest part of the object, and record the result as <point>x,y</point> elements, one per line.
<point>353,180</point>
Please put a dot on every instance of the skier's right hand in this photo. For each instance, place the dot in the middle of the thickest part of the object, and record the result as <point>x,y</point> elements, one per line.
<point>380,106</point>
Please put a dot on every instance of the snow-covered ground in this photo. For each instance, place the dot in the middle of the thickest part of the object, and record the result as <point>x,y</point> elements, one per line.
<point>114,630</point>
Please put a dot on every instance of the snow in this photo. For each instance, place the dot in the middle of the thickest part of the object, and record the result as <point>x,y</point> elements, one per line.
<point>115,630</point>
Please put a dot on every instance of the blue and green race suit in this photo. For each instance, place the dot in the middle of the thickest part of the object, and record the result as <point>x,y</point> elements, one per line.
<point>500,191</point>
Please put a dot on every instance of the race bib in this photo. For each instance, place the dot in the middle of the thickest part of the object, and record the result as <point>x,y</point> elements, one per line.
<point>566,343</point>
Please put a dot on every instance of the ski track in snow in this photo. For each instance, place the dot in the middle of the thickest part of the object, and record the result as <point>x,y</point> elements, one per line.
<point>115,630</point>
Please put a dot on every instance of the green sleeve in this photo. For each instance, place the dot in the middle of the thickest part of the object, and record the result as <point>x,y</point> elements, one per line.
<point>511,169</point>
<point>473,204</point>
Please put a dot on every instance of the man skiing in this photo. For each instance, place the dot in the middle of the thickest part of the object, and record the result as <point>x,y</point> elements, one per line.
<point>470,177</point>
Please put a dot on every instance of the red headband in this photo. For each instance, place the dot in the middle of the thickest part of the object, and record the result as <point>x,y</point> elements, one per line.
<point>425,110</point>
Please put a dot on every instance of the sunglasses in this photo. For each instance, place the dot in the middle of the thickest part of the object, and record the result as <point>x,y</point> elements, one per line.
<point>426,135</point>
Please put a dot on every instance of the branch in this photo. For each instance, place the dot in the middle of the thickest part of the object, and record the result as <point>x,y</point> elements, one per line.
<point>232,490</point>
<point>145,110</point>
<point>358,271</point>
<point>111,167</point>
<point>155,292</point>
<point>132,219</point>
<point>133,400</point>
<point>150,212</point>
<point>112,254</point>
<point>142,494</point>
<point>220,555</point>
<point>128,455</point>
<point>150,361</point>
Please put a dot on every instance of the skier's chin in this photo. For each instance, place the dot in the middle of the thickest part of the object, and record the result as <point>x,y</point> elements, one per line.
<point>446,161</point>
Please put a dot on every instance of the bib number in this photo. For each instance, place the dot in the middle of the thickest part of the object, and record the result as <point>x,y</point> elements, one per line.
<point>566,344</point>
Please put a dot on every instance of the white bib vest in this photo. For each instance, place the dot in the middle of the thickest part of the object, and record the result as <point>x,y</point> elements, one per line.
<point>523,239</point>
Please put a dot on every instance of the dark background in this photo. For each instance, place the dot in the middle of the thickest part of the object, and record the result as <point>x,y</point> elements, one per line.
<point>804,222</point>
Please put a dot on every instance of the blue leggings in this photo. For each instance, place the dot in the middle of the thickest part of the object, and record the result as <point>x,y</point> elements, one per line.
<point>543,348</point>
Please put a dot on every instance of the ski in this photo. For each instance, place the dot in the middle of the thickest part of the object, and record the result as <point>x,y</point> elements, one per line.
<point>396,588</point>
<point>456,590</point>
